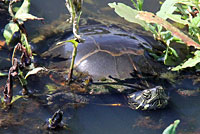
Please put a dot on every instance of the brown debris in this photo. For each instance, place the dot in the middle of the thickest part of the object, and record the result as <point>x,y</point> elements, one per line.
<point>148,123</point>
<point>8,93</point>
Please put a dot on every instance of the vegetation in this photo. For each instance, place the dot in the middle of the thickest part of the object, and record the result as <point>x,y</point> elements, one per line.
<point>183,13</point>
<point>171,129</point>
<point>75,10</point>
<point>16,36</point>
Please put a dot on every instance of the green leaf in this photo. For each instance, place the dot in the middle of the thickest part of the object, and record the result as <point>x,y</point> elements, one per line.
<point>15,98</point>
<point>24,9</point>
<point>171,57</point>
<point>191,62</point>
<point>10,29</point>
<point>195,22</point>
<point>22,80</point>
<point>128,13</point>
<point>166,8</point>
<point>26,44</point>
<point>138,5</point>
<point>166,55</point>
<point>35,71</point>
<point>171,129</point>
<point>74,42</point>
<point>167,36</point>
<point>134,4</point>
<point>3,74</point>
<point>173,52</point>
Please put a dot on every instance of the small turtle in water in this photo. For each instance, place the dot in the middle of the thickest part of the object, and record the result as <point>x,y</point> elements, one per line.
<point>121,55</point>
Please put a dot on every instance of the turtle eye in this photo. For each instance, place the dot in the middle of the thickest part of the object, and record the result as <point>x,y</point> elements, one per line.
<point>159,90</point>
<point>146,94</point>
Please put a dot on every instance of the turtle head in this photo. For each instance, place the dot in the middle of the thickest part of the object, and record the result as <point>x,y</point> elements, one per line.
<point>148,99</point>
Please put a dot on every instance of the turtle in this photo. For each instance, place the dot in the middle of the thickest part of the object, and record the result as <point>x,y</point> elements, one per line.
<point>114,53</point>
<point>110,52</point>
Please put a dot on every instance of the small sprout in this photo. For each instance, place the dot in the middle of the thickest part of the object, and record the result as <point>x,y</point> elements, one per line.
<point>171,129</point>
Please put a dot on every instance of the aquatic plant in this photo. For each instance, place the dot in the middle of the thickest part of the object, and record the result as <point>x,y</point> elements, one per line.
<point>75,9</point>
<point>171,129</point>
<point>184,13</point>
<point>16,36</point>
<point>74,53</point>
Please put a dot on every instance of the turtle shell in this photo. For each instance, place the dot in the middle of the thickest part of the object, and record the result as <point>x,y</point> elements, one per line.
<point>111,52</point>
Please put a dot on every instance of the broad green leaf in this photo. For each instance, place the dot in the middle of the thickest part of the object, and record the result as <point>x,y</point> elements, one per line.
<point>27,16</point>
<point>10,29</point>
<point>191,62</point>
<point>171,129</point>
<point>195,22</point>
<point>23,9</point>
<point>127,13</point>
<point>35,71</point>
<point>166,8</point>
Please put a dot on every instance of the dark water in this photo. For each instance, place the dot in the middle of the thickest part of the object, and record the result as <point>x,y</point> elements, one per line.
<point>28,115</point>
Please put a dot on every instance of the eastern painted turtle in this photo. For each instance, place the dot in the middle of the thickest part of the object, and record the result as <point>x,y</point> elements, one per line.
<point>118,54</point>
<point>111,52</point>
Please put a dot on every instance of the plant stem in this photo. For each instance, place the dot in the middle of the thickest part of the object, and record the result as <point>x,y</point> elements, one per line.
<point>72,63</point>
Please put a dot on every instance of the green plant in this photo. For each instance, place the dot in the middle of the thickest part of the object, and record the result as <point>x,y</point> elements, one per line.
<point>15,35</point>
<point>183,12</point>
<point>75,9</point>
<point>74,53</point>
<point>171,129</point>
